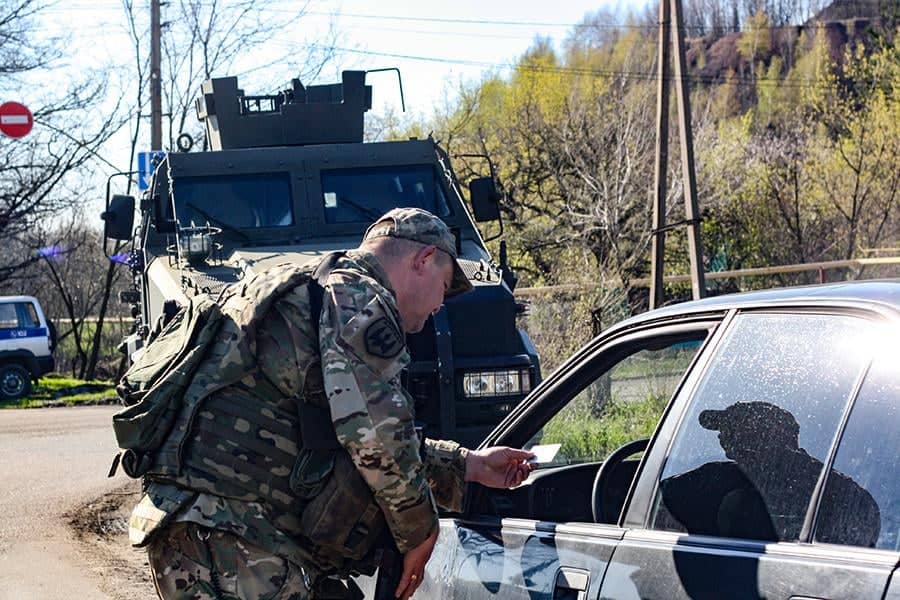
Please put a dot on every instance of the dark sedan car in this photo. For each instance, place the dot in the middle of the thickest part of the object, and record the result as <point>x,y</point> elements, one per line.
<point>744,446</point>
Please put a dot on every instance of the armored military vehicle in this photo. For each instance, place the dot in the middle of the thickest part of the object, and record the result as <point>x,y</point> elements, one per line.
<point>289,178</point>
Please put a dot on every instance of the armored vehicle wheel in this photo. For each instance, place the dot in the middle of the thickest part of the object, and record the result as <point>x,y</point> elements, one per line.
<point>15,382</point>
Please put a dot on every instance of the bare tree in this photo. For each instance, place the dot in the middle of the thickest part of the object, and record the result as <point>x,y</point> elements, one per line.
<point>21,51</point>
<point>75,268</point>
<point>40,174</point>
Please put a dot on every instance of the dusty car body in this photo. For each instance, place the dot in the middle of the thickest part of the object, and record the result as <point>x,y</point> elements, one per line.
<point>770,466</point>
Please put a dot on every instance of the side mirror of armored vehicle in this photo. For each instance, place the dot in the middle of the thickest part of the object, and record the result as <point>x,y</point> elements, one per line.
<point>485,199</point>
<point>118,219</point>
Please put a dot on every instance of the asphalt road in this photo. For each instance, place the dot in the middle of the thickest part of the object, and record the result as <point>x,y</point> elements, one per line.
<point>52,463</point>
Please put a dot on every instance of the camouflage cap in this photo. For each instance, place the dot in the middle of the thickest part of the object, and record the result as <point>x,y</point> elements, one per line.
<point>421,226</point>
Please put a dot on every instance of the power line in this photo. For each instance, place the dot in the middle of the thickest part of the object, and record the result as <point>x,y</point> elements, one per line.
<point>461,21</point>
<point>590,72</point>
<point>649,26</point>
<point>443,33</point>
<point>444,20</point>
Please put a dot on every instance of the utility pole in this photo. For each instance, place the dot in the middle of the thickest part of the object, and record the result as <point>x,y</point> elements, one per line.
<point>695,248</point>
<point>667,9</point>
<point>662,159</point>
<point>155,77</point>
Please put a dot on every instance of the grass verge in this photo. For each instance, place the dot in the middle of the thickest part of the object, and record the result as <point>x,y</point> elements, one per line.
<point>58,390</point>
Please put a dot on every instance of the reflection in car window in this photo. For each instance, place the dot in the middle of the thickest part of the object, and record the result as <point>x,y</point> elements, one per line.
<point>362,195</point>
<point>622,405</point>
<point>752,446</point>
<point>868,456</point>
<point>242,201</point>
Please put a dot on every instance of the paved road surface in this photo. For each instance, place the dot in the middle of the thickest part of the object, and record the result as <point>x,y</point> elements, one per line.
<point>53,461</point>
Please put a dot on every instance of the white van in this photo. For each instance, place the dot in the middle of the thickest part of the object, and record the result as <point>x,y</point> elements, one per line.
<point>26,345</point>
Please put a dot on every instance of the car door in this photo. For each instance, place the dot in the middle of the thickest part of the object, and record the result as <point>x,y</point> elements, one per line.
<point>780,479</point>
<point>540,540</point>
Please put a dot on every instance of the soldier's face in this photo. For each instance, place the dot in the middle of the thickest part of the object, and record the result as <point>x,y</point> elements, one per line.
<point>432,274</point>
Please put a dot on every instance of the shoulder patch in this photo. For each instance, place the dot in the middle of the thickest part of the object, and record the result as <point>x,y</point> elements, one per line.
<point>383,340</point>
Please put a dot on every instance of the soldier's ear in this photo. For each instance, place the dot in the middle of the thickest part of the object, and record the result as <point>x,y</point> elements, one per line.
<point>423,255</point>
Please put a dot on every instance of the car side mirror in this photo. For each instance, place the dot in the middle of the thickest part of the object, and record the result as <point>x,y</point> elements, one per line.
<point>485,199</point>
<point>118,219</point>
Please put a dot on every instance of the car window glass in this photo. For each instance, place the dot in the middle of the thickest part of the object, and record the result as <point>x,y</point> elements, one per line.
<point>8,317</point>
<point>751,447</point>
<point>28,315</point>
<point>621,405</point>
<point>861,502</point>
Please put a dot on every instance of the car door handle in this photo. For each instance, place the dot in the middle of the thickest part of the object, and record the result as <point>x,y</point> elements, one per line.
<point>571,584</point>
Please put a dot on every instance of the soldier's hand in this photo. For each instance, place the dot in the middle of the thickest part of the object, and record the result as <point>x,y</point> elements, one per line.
<point>498,466</point>
<point>414,566</point>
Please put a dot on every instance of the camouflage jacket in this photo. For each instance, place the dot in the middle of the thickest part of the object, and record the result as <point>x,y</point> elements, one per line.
<point>362,352</point>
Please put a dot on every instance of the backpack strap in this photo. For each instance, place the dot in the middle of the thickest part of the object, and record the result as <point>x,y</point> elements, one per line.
<point>317,286</point>
<point>316,428</point>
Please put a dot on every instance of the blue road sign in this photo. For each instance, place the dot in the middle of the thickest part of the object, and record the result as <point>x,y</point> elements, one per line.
<point>147,163</point>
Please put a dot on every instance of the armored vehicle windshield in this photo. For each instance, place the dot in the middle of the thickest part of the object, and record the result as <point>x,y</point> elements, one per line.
<point>263,200</point>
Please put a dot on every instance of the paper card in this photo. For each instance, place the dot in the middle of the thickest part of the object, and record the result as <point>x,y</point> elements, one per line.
<point>544,453</point>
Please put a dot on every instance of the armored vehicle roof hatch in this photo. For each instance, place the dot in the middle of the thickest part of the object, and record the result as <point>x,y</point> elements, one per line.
<point>300,116</point>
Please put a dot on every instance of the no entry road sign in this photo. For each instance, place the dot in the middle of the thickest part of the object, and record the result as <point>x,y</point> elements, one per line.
<point>15,119</point>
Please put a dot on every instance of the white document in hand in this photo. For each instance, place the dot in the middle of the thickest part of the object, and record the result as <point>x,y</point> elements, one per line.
<point>544,453</point>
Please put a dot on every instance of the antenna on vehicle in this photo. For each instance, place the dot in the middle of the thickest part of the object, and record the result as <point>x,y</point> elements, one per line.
<point>399,81</point>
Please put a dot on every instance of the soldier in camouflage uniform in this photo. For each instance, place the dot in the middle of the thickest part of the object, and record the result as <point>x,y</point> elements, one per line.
<point>263,510</point>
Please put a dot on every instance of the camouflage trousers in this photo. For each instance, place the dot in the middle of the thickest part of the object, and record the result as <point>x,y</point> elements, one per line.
<point>192,562</point>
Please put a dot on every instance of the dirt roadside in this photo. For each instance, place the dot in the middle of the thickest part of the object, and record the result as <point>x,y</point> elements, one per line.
<point>101,529</point>
<point>53,465</point>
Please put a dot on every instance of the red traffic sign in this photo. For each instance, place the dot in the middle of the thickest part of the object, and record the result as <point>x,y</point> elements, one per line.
<point>15,119</point>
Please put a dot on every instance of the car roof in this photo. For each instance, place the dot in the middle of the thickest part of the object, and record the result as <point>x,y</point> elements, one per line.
<point>18,299</point>
<point>872,293</point>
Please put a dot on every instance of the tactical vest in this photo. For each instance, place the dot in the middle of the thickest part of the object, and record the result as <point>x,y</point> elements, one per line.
<point>236,437</point>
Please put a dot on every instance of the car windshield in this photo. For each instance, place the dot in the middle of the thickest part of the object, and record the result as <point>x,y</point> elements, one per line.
<point>363,195</point>
<point>238,201</point>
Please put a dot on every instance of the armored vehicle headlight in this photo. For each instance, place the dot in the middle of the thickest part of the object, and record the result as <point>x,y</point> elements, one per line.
<point>507,382</point>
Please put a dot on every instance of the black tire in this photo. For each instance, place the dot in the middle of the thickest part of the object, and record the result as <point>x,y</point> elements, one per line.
<point>15,382</point>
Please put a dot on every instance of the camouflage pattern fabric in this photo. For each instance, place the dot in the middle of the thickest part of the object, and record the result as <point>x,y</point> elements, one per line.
<point>251,521</point>
<point>191,562</point>
<point>363,352</point>
<point>445,468</point>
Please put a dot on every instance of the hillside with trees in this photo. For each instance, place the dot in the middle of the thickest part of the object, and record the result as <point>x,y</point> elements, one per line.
<point>797,145</point>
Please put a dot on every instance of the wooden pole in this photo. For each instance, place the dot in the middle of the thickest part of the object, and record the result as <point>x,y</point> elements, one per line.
<point>662,157</point>
<point>155,77</point>
<point>695,247</point>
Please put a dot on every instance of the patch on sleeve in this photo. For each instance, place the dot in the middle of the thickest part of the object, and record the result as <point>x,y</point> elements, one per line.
<point>383,340</point>
<point>376,340</point>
